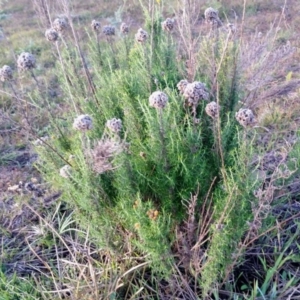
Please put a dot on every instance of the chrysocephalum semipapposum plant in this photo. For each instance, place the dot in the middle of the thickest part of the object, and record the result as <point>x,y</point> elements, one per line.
<point>170,158</point>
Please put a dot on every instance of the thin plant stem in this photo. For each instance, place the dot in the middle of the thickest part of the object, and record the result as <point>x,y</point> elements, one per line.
<point>98,47</point>
<point>35,79</point>
<point>68,82</point>
<point>110,42</point>
<point>162,139</point>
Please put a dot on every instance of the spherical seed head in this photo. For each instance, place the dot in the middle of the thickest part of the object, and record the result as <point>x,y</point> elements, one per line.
<point>26,61</point>
<point>211,14</point>
<point>108,30</point>
<point>60,25</point>
<point>181,85</point>
<point>124,28</point>
<point>51,35</point>
<point>65,171</point>
<point>168,25</point>
<point>212,109</point>
<point>194,92</point>
<point>96,25</point>
<point>6,73</point>
<point>83,123</point>
<point>141,36</point>
<point>158,99</point>
<point>245,117</point>
<point>115,125</point>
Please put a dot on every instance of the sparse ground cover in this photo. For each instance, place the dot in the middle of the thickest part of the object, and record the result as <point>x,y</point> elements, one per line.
<point>152,164</point>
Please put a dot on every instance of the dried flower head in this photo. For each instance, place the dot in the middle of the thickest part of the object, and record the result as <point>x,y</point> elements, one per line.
<point>124,28</point>
<point>103,153</point>
<point>115,125</point>
<point>245,117</point>
<point>51,35</point>
<point>158,99</point>
<point>96,25</point>
<point>6,73</point>
<point>26,61</point>
<point>168,25</point>
<point>194,92</point>
<point>65,171</point>
<point>83,123</point>
<point>152,214</point>
<point>181,85</point>
<point>60,24</point>
<point>212,109</point>
<point>210,14</point>
<point>108,30</point>
<point>141,36</point>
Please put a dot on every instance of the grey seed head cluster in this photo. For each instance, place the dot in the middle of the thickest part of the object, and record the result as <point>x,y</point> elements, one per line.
<point>96,25</point>
<point>83,123</point>
<point>60,25</point>
<point>124,28</point>
<point>210,14</point>
<point>212,17</point>
<point>65,171</point>
<point>168,25</point>
<point>6,73</point>
<point>103,154</point>
<point>245,117</point>
<point>51,35</point>
<point>194,92</point>
<point>114,125</point>
<point>26,61</point>
<point>141,36</point>
<point>181,85</point>
<point>108,30</point>
<point>212,109</point>
<point>158,99</point>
